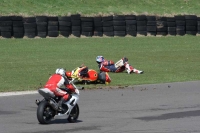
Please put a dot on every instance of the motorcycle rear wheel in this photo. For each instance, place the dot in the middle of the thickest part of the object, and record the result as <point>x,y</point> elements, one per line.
<point>74,114</point>
<point>45,112</point>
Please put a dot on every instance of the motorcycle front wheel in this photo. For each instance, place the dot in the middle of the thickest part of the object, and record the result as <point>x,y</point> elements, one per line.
<point>74,114</point>
<point>45,112</point>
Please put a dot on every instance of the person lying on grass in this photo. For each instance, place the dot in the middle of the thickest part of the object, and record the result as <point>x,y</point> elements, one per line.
<point>121,65</point>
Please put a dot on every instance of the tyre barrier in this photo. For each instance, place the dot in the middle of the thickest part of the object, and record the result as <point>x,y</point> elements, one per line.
<point>98,26</point>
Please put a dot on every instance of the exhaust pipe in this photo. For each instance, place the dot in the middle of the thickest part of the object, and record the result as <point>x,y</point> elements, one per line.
<point>37,101</point>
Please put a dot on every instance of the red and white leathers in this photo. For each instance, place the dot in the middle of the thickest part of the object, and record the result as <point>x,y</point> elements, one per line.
<point>120,66</point>
<point>55,82</point>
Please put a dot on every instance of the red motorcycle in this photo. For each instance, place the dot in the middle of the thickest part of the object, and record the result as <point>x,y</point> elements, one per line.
<point>92,77</point>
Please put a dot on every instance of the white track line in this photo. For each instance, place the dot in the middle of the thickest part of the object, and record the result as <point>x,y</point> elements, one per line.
<point>17,93</point>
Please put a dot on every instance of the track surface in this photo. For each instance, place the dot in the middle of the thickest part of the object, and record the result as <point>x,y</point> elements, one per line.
<point>161,108</point>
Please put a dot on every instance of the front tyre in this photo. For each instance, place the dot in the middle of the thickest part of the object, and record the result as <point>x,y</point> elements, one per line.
<point>74,114</point>
<point>45,112</point>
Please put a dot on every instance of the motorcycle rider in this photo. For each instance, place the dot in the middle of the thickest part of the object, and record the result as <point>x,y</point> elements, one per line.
<point>121,65</point>
<point>54,84</point>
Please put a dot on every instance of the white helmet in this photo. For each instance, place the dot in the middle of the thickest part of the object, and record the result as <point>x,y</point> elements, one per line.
<point>60,71</point>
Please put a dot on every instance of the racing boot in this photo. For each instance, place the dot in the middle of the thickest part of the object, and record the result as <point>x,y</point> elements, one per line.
<point>130,69</point>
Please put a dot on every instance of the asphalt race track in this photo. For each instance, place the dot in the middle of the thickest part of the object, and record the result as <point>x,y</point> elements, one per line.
<point>161,108</point>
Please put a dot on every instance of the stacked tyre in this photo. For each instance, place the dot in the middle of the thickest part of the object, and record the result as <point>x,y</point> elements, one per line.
<point>180,25</point>
<point>151,25</point>
<point>76,25</point>
<point>171,23</point>
<point>108,26</point>
<point>198,25</point>
<point>87,24</point>
<point>119,25</point>
<point>191,24</point>
<point>98,26</point>
<point>18,27</point>
<point>6,26</point>
<point>65,26</point>
<point>53,26</point>
<point>162,28</point>
<point>141,25</point>
<point>29,27</point>
<point>41,22</point>
<point>131,24</point>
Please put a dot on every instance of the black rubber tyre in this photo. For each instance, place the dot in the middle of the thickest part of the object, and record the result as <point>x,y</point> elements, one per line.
<point>65,33</point>
<point>99,29</point>
<point>5,18</point>
<point>191,33</point>
<point>171,24</point>
<point>29,25</point>
<point>53,33</point>
<point>180,32</point>
<point>108,29</point>
<point>108,23</point>
<point>98,18</point>
<point>141,17</point>
<point>76,28</point>
<point>64,23</point>
<point>120,33</point>
<point>191,28</point>
<point>119,28</point>
<point>30,34</point>
<point>76,23</point>
<point>98,23</point>
<point>119,23</point>
<point>161,18</point>
<point>45,113</point>
<point>29,19</point>
<point>151,18</point>
<point>98,33</point>
<point>141,23</point>
<point>131,28</point>
<point>42,34</point>
<point>18,34</point>
<point>162,33</point>
<point>172,29</point>
<point>151,23</point>
<point>17,18</point>
<point>87,34</point>
<point>132,33</point>
<point>74,114</point>
<point>52,28</point>
<point>30,30</point>
<point>52,18</point>
<point>87,19</point>
<point>171,19</point>
<point>180,17</point>
<point>161,29</point>
<point>161,23</point>
<point>107,18</point>
<point>18,24</point>
<point>65,28</point>
<point>119,17</point>
<point>6,34</point>
<point>141,28</point>
<point>52,23</point>
<point>87,29</point>
<point>76,33</point>
<point>6,28</point>
<point>130,17</point>
<point>64,18</point>
<point>41,18</point>
<point>131,22</point>
<point>87,24</point>
<point>144,33</point>
<point>172,33</point>
<point>75,17</point>
<point>6,23</point>
<point>109,34</point>
<point>190,22</point>
<point>180,28</point>
<point>151,28</point>
<point>41,28</point>
<point>191,17</point>
<point>151,33</point>
<point>180,23</point>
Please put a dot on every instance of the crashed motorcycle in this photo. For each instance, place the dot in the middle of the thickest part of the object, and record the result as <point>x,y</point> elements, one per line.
<point>93,77</point>
<point>48,107</point>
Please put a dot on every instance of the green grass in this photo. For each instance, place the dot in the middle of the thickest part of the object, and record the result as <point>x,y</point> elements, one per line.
<point>26,64</point>
<point>98,7</point>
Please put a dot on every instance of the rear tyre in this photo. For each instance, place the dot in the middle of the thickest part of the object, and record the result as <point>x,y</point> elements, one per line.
<point>74,114</point>
<point>45,112</point>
